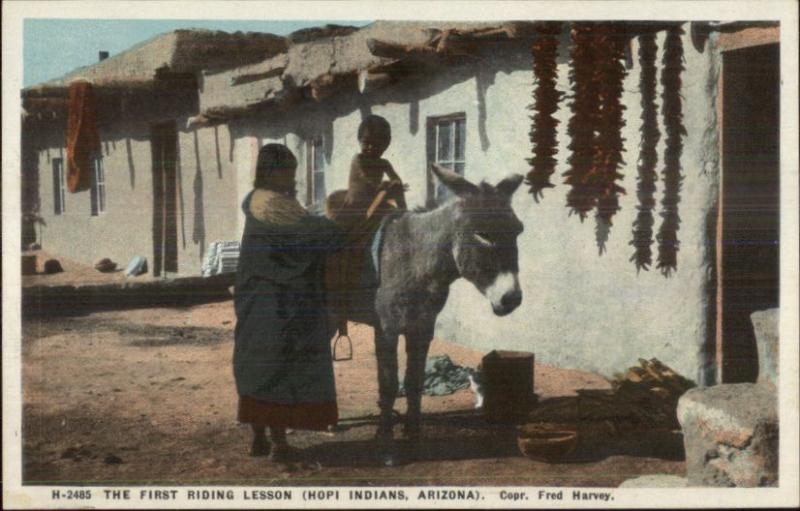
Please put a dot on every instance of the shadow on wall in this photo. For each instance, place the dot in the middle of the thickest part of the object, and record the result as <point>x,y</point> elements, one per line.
<point>484,78</point>
<point>199,225</point>
<point>131,167</point>
<point>179,178</point>
<point>413,117</point>
<point>328,140</point>
<point>231,142</point>
<point>216,147</point>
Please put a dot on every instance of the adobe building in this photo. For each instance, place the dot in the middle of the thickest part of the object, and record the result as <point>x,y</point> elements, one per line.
<point>181,119</point>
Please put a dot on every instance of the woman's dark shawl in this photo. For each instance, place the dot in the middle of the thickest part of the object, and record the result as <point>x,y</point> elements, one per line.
<point>282,341</point>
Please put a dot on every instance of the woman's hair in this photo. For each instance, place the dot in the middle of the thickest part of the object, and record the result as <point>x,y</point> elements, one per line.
<point>376,125</point>
<point>273,158</point>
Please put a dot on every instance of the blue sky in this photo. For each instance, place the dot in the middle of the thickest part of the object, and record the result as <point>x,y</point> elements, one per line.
<point>53,47</point>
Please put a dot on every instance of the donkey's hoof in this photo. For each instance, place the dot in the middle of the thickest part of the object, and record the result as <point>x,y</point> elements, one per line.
<point>260,447</point>
<point>389,457</point>
<point>284,454</point>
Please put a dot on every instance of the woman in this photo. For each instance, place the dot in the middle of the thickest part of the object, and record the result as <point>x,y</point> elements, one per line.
<point>282,359</point>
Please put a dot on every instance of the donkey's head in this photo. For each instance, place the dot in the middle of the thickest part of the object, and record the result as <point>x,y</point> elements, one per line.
<point>485,241</point>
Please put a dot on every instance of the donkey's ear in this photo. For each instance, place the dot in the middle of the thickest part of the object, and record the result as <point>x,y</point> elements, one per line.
<point>509,185</point>
<point>457,184</point>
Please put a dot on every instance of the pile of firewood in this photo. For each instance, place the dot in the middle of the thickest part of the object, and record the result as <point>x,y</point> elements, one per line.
<point>644,396</point>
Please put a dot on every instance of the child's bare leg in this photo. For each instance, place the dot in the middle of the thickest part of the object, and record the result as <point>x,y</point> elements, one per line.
<point>260,445</point>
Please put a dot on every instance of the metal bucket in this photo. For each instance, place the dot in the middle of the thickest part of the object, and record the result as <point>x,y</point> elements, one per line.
<point>508,385</point>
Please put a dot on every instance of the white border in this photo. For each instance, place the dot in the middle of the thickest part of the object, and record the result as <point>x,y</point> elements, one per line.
<point>14,495</point>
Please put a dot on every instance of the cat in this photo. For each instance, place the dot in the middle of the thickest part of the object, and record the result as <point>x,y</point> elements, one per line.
<point>476,385</point>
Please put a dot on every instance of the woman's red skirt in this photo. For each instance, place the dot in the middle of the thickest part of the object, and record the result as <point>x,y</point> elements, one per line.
<point>315,416</point>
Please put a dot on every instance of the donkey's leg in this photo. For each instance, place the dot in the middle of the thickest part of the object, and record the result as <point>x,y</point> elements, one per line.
<point>417,344</point>
<point>386,353</point>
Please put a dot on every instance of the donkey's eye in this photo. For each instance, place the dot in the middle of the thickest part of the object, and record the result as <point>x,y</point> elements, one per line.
<point>483,240</point>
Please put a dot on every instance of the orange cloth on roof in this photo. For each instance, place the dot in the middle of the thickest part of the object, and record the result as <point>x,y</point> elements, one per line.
<point>82,138</point>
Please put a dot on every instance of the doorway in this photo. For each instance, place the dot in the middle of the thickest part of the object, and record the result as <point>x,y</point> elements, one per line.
<point>164,144</point>
<point>749,205</point>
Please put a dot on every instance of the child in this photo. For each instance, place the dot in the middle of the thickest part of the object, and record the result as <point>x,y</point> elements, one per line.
<point>367,172</point>
<point>351,212</point>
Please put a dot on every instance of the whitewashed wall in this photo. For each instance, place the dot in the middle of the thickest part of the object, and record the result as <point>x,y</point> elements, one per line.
<point>206,193</point>
<point>579,309</point>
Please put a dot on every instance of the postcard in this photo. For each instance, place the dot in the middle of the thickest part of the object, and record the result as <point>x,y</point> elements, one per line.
<point>400,254</point>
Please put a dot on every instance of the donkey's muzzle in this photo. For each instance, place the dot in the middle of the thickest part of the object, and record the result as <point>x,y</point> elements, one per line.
<point>508,302</point>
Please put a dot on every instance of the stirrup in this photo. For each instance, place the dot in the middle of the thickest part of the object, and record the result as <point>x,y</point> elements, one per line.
<point>349,355</point>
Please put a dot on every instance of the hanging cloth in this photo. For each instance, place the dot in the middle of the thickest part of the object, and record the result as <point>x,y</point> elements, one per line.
<point>82,138</point>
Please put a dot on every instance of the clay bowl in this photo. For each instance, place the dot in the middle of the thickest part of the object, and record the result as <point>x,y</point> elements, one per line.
<point>546,441</point>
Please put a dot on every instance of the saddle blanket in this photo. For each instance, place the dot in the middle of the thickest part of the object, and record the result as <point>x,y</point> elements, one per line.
<point>371,267</point>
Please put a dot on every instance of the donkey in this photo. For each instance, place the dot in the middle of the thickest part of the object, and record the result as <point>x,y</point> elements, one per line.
<point>473,236</point>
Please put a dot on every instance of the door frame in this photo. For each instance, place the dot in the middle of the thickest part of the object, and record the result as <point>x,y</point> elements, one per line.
<point>165,218</point>
<point>729,41</point>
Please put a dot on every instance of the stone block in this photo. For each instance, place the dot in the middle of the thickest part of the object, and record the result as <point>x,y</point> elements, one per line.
<point>655,481</point>
<point>765,326</point>
<point>730,435</point>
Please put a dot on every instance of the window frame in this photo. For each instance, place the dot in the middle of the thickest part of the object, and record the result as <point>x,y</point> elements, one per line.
<point>433,126</point>
<point>59,186</point>
<point>97,192</point>
<point>315,147</point>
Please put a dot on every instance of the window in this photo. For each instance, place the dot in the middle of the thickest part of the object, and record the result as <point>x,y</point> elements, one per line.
<point>315,172</point>
<point>446,137</point>
<point>98,191</point>
<point>58,186</point>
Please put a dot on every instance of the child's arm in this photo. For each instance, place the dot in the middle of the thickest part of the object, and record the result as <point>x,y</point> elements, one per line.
<point>394,178</point>
<point>390,173</point>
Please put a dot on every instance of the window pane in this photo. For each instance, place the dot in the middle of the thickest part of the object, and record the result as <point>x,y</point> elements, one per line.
<point>445,146</point>
<point>459,168</point>
<point>94,200</point>
<point>95,192</point>
<point>319,155</point>
<point>461,126</point>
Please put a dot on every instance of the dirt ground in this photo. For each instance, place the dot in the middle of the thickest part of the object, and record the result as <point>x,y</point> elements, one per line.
<point>147,396</point>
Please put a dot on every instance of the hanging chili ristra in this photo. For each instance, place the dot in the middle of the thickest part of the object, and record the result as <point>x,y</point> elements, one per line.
<point>648,157</point>
<point>545,104</point>
<point>582,197</point>
<point>609,144</point>
<point>673,125</point>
